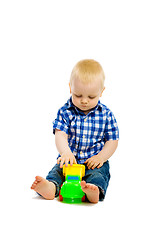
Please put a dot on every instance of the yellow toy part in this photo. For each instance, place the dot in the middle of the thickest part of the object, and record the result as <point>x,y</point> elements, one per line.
<point>75,169</point>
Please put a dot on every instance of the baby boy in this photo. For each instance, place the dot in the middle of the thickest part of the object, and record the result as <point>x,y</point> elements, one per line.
<point>86,132</point>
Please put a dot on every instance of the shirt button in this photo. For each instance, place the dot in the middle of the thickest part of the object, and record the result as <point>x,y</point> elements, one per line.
<point>85,119</point>
<point>83,137</point>
<point>81,152</point>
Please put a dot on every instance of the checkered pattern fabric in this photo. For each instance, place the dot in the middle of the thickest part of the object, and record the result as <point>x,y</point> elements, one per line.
<point>87,134</point>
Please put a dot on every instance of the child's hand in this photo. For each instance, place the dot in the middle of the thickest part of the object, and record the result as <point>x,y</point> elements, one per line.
<point>94,161</point>
<point>66,157</point>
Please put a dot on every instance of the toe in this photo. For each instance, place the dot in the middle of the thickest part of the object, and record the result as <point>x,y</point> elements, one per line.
<point>33,186</point>
<point>38,178</point>
<point>83,184</point>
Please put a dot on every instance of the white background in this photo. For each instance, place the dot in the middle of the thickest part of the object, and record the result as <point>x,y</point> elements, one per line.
<point>40,43</point>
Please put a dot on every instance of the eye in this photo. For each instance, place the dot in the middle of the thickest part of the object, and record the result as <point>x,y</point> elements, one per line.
<point>91,97</point>
<point>78,96</point>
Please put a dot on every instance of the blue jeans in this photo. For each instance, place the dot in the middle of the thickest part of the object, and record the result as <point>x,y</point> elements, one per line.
<point>98,176</point>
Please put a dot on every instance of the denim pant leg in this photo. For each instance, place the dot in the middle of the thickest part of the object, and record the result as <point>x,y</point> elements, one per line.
<point>56,176</point>
<point>99,177</point>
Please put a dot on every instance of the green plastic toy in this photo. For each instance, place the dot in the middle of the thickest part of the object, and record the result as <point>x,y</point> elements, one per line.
<point>71,191</point>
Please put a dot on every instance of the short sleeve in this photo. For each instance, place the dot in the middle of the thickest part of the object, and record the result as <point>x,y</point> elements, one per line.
<point>111,128</point>
<point>60,123</point>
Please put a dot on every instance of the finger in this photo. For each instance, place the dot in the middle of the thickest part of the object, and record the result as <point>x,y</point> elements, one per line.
<point>94,165</point>
<point>87,160</point>
<point>74,161</point>
<point>90,164</point>
<point>71,161</point>
<point>61,164</point>
<point>66,162</point>
<point>100,165</point>
<point>58,160</point>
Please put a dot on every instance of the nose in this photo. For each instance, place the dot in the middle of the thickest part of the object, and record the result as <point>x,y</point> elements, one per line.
<point>84,101</point>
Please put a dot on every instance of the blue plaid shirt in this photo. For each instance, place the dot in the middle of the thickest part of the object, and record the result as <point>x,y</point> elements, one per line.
<point>87,134</point>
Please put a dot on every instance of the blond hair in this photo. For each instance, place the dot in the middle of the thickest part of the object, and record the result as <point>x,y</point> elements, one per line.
<point>87,71</point>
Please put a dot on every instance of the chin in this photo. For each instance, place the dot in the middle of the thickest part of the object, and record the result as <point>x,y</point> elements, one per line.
<point>85,109</point>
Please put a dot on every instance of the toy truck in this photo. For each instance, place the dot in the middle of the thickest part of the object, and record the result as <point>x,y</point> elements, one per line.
<point>71,191</point>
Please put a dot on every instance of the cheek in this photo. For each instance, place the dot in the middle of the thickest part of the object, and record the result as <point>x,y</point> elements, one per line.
<point>94,102</point>
<point>74,100</point>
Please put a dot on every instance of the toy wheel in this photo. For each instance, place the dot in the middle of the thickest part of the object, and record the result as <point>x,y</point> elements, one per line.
<point>84,198</point>
<point>60,196</point>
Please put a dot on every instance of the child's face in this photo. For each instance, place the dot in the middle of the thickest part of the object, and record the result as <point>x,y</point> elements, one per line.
<point>86,96</point>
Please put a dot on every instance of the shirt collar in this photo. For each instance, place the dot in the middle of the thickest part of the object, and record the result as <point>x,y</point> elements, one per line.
<point>71,105</point>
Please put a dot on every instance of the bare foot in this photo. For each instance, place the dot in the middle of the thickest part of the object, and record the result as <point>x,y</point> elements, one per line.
<point>44,187</point>
<point>91,190</point>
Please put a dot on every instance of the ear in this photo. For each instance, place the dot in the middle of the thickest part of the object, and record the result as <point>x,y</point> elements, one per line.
<point>70,87</point>
<point>102,91</point>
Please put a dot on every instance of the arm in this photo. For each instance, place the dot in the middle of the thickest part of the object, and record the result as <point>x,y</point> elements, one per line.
<point>61,140</point>
<point>107,151</point>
